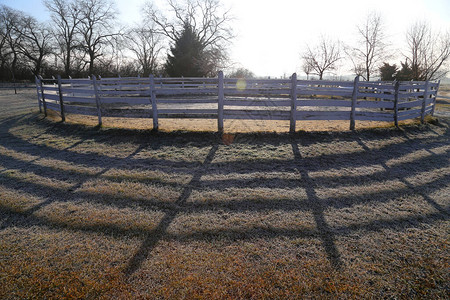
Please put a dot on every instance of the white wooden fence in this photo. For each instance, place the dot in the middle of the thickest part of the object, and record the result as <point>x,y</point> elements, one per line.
<point>251,99</point>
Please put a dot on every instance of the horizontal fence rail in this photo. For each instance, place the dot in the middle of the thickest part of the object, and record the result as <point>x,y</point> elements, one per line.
<point>232,98</point>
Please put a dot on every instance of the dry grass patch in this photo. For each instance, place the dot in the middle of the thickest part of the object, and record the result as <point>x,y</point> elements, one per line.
<point>42,263</point>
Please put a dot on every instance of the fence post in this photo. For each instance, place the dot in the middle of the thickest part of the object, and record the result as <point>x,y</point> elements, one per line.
<point>36,80</point>
<point>293,118</point>
<point>71,85</point>
<point>97,100</point>
<point>397,87</point>
<point>43,96</point>
<point>61,101</point>
<point>220,101</point>
<point>434,100</point>
<point>154,106</point>
<point>354,98</point>
<point>424,103</point>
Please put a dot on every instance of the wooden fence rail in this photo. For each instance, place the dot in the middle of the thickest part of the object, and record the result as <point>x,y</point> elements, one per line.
<point>232,98</point>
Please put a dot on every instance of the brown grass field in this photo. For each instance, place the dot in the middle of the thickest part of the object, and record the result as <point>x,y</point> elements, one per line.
<point>116,213</point>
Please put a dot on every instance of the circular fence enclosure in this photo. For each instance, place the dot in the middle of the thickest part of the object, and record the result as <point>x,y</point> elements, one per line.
<point>219,99</point>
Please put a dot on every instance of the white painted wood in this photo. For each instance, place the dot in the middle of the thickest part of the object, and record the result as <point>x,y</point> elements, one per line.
<point>323,115</point>
<point>374,104</point>
<point>233,81</point>
<point>430,101</point>
<point>124,93</point>
<point>50,88</point>
<point>78,91</point>
<point>53,106</point>
<point>325,83</point>
<point>154,103</point>
<point>43,95</point>
<point>433,84</point>
<point>178,91</point>
<point>81,110</point>
<point>409,94</point>
<point>51,97</point>
<point>324,102</point>
<point>293,112</point>
<point>123,81</point>
<point>125,100</point>
<point>409,116</point>
<point>185,110</point>
<point>76,81</point>
<point>257,102</point>
<point>355,95</point>
<point>185,79</point>
<point>97,100</point>
<point>36,81</point>
<point>256,114</point>
<point>61,100</point>
<point>410,104</point>
<point>397,85</point>
<point>407,86</point>
<point>258,92</point>
<point>415,112</point>
<point>374,116</point>
<point>365,94</point>
<point>187,116</point>
<point>377,87</point>
<point>124,88</point>
<point>324,92</point>
<point>79,99</point>
<point>434,99</point>
<point>126,113</point>
<point>187,101</point>
<point>220,102</point>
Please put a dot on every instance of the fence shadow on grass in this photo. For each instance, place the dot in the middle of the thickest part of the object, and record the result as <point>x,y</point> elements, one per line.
<point>25,142</point>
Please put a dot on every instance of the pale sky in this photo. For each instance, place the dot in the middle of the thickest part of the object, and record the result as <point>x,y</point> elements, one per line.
<point>272,34</point>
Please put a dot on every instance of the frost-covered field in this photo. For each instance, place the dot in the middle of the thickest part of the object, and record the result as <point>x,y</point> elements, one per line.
<point>122,213</point>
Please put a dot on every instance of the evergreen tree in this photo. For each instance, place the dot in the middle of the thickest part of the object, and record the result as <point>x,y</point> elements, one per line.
<point>406,72</point>
<point>388,72</point>
<point>187,57</point>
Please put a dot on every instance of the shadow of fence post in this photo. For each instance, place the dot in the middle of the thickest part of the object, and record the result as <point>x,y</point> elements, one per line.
<point>324,230</point>
<point>158,233</point>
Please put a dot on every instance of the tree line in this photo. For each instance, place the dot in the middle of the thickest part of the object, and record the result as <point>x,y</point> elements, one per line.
<point>189,38</point>
<point>426,55</point>
<point>84,37</point>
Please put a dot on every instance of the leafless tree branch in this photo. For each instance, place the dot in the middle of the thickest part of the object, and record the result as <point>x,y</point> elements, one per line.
<point>323,57</point>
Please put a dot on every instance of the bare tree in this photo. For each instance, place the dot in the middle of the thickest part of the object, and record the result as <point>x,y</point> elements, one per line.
<point>66,18</point>
<point>241,73</point>
<point>96,27</point>
<point>36,42</point>
<point>307,69</point>
<point>429,52</point>
<point>207,19</point>
<point>372,49</point>
<point>322,57</point>
<point>12,31</point>
<point>146,44</point>
<point>4,33</point>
